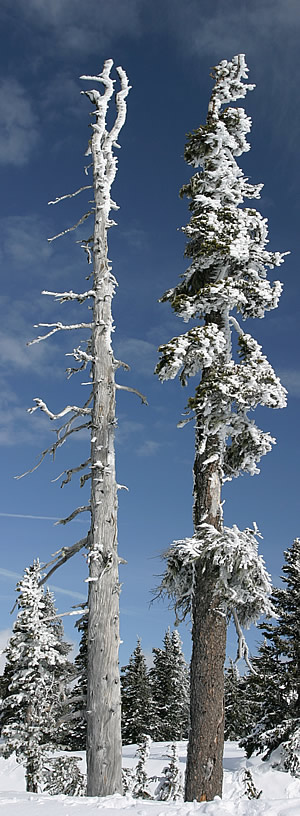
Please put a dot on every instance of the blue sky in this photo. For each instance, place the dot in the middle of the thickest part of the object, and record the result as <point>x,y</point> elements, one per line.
<point>167,49</point>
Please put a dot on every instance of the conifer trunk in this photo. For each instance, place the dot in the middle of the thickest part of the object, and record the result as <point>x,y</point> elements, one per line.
<point>204,774</point>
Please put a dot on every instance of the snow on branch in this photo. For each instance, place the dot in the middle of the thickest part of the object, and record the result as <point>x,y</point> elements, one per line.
<point>243,583</point>
<point>197,349</point>
<point>63,297</point>
<point>57,327</point>
<point>71,195</point>
<point>67,410</point>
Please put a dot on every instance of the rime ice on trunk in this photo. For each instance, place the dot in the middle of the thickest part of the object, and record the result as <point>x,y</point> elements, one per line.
<point>217,572</point>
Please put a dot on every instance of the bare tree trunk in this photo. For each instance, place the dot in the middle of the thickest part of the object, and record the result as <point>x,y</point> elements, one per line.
<point>204,774</point>
<point>104,746</point>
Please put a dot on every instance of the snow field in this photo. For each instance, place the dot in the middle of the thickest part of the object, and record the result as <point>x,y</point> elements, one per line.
<point>280,791</point>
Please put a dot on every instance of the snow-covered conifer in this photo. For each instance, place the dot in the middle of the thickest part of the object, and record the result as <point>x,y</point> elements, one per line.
<point>237,707</point>
<point>227,276</point>
<point>140,789</point>
<point>275,688</point>
<point>63,775</point>
<point>76,724</point>
<point>170,784</point>
<point>37,669</point>
<point>170,690</point>
<point>136,697</point>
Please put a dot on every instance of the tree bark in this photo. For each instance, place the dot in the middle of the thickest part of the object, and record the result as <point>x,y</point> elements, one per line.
<point>104,747</point>
<point>204,773</point>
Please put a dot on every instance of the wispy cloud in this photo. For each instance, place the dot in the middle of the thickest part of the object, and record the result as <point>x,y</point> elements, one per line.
<point>290,378</point>
<point>24,240</point>
<point>139,354</point>
<point>18,124</point>
<point>148,448</point>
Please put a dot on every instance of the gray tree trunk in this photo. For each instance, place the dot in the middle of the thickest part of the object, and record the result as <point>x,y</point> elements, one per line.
<point>104,746</point>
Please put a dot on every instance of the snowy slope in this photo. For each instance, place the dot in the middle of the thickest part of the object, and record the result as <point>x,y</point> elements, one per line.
<point>280,792</point>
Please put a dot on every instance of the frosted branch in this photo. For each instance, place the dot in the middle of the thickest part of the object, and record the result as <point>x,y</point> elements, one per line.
<point>66,553</point>
<point>71,195</point>
<point>234,322</point>
<point>56,327</point>
<point>74,226</point>
<point>68,409</point>
<point>133,391</point>
<point>62,297</point>
<point>242,651</point>
<point>84,509</point>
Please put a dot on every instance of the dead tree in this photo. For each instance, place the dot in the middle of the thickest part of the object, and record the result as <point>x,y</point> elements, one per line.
<point>97,415</point>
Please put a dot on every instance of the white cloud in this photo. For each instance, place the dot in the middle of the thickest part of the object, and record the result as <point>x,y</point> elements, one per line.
<point>290,378</point>
<point>139,354</point>
<point>24,241</point>
<point>18,124</point>
<point>148,448</point>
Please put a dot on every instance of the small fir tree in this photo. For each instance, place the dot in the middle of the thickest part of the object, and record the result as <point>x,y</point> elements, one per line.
<point>218,568</point>
<point>140,788</point>
<point>275,687</point>
<point>36,669</point>
<point>170,784</point>
<point>63,775</point>
<point>170,690</point>
<point>136,697</point>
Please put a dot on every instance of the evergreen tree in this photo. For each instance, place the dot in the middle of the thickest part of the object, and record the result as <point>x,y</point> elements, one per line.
<point>170,784</point>
<point>219,567</point>
<point>170,690</point>
<point>63,775</point>
<point>140,788</point>
<point>136,697</point>
<point>275,688</point>
<point>237,709</point>
<point>36,670</point>
<point>76,726</point>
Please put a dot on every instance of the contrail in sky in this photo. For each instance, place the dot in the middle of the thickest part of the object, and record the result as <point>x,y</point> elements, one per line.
<point>9,574</point>
<point>41,518</point>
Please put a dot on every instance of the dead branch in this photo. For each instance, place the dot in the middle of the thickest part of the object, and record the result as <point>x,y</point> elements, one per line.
<point>56,327</point>
<point>133,391</point>
<point>66,554</point>
<point>74,226</point>
<point>63,297</point>
<point>67,410</point>
<point>71,195</point>
<point>83,509</point>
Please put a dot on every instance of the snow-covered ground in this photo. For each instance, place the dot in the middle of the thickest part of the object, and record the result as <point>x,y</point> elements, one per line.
<point>280,792</point>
